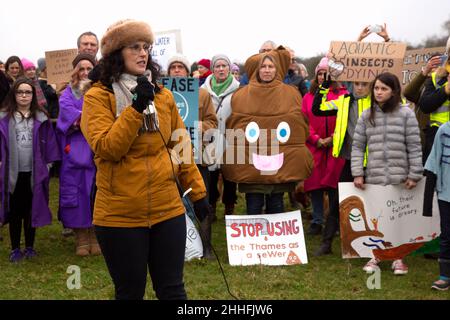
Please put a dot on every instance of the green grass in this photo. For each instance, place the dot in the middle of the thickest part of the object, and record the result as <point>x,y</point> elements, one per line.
<point>328,277</point>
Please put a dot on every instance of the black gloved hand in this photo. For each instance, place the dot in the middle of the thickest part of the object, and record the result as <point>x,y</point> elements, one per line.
<point>143,94</point>
<point>327,82</point>
<point>202,209</point>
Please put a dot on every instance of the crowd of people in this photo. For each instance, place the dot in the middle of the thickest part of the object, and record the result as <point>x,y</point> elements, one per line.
<point>107,135</point>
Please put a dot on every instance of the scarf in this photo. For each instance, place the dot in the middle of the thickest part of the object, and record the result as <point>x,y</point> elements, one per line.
<point>220,88</point>
<point>42,101</point>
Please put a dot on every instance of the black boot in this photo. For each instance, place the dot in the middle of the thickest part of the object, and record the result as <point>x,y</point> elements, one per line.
<point>205,235</point>
<point>324,249</point>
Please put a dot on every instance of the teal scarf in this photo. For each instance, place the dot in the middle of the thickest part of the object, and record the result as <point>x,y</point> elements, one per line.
<point>220,88</point>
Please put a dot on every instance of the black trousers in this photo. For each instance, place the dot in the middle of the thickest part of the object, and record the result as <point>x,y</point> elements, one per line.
<point>332,223</point>
<point>229,189</point>
<point>128,253</point>
<point>20,212</point>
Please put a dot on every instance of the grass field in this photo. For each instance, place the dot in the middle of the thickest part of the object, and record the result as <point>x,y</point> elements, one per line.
<point>328,277</point>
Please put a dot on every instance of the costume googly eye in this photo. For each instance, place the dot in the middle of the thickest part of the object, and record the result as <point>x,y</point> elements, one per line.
<point>252,132</point>
<point>283,132</point>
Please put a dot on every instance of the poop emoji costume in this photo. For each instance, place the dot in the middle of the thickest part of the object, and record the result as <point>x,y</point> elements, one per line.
<point>269,131</point>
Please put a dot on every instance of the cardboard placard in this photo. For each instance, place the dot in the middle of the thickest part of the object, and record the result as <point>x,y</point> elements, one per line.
<point>414,61</point>
<point>363,61</point>
<point>59,65</point>
<point>166,45</point>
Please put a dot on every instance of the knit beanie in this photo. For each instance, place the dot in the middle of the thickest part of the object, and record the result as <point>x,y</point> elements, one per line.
<point>27,64</point>
<point>181,59</point>
<point>218,57</point>
<point>235,68</point>
<point>123,33</point>
<point>41,64</point>
<point>83,56</point>
<point>323,65</point>
<point>206,63</point>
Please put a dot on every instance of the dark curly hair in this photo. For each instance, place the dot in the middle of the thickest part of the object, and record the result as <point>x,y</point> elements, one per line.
<point>111,67</point>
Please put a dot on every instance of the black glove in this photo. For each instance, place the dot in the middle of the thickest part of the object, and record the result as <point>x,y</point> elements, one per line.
<point>143,94</point>
<point>202,209</point>
<point>327,82</point>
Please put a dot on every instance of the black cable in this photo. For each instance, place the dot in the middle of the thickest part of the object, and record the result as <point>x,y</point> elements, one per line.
<point>181,190</point>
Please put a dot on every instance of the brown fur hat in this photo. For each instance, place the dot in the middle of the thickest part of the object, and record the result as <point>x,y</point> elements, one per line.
<point>123,33</point>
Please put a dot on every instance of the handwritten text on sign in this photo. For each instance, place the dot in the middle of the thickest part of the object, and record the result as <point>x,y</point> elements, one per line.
<point>363,61</point>
<point>414,61</point>
<point>59,65</point>
<point>272,239</point>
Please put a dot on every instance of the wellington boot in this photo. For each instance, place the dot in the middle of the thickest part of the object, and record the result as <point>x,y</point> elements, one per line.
<point>93,244</point>
<point>82,242</point>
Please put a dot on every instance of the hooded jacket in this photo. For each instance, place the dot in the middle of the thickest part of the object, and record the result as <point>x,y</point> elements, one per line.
<point>135,181</point>
<point>275,107</point>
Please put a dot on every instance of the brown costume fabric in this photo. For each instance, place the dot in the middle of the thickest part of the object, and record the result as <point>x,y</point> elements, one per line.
<point>268,104</point>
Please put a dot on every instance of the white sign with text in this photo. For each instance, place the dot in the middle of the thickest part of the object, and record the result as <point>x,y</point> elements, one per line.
<point>268,239</point>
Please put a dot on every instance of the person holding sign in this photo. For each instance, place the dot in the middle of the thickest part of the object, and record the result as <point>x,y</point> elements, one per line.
<point>221,85</point>
<point>77,172</point>
<point>390,133</point>
<point>27,148</point>
<point>178,66</point>
<point>128,121</point>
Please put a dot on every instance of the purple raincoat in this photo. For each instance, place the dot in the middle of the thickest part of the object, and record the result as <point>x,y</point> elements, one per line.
<point>45,151</point>
<point>77,175</point>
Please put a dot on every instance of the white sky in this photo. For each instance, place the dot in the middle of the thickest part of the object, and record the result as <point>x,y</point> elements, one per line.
<point>234,27</point>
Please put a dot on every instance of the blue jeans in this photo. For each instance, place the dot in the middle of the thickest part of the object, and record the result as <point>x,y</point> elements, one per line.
<point>444,255</point>
<point>255,203</point>
<point>317,203</point>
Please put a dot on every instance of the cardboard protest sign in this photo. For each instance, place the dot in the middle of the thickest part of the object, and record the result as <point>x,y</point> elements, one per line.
<point>59,65</point>
<point>268,239</point>
<point>185,92</point>
<point>167,44</point>
<point>194,247</point>
<point>385,222</point>
<point>363,61</point>
<point>414,61</point>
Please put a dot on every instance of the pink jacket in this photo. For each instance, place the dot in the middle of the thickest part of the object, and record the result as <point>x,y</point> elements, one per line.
<point>327,169</point>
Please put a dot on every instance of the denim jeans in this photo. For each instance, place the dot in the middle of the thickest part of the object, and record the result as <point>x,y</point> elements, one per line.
<point>255,203</point>
<point>317,203</point>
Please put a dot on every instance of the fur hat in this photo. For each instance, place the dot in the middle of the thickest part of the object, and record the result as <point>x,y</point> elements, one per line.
<point>125,32</point>
<point>27,64</point>
<point>205,62</point>
<point>218,57</point>
<point>323,65</point>
<point>181,59</point>
<point>83,56</point>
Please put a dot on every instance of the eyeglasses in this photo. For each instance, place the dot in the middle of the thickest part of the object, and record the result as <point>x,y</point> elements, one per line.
<point>24,93</point>
<point>136,48</point>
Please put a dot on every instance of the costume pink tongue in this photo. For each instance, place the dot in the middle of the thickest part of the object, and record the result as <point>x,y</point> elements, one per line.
<point>268,164</point>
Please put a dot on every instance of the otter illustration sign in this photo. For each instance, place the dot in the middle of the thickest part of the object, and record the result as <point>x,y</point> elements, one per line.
<point>269,239</point>
<point>385,222</point>
<point>363,61</point>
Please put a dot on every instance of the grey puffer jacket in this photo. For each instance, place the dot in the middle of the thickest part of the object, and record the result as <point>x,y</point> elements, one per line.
<point>395,152</point>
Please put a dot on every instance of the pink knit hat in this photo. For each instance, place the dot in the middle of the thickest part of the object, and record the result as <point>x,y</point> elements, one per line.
<point>27,64</point>
<point>323,65</point>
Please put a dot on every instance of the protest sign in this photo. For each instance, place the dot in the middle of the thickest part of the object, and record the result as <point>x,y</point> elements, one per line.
<point>59,65</point>
<point>363,61</point>
<point>167,44</point>
<point>185,92</point>
<point>414,61</point>
<point>268,239</point>
<point>385,222</point>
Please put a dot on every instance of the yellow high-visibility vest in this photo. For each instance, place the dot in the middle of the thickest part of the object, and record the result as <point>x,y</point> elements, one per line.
<point>342,105</point>
<point>442,114</point>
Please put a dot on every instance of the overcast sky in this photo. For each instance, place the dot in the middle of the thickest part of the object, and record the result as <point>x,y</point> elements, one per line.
<point>234,27</point>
